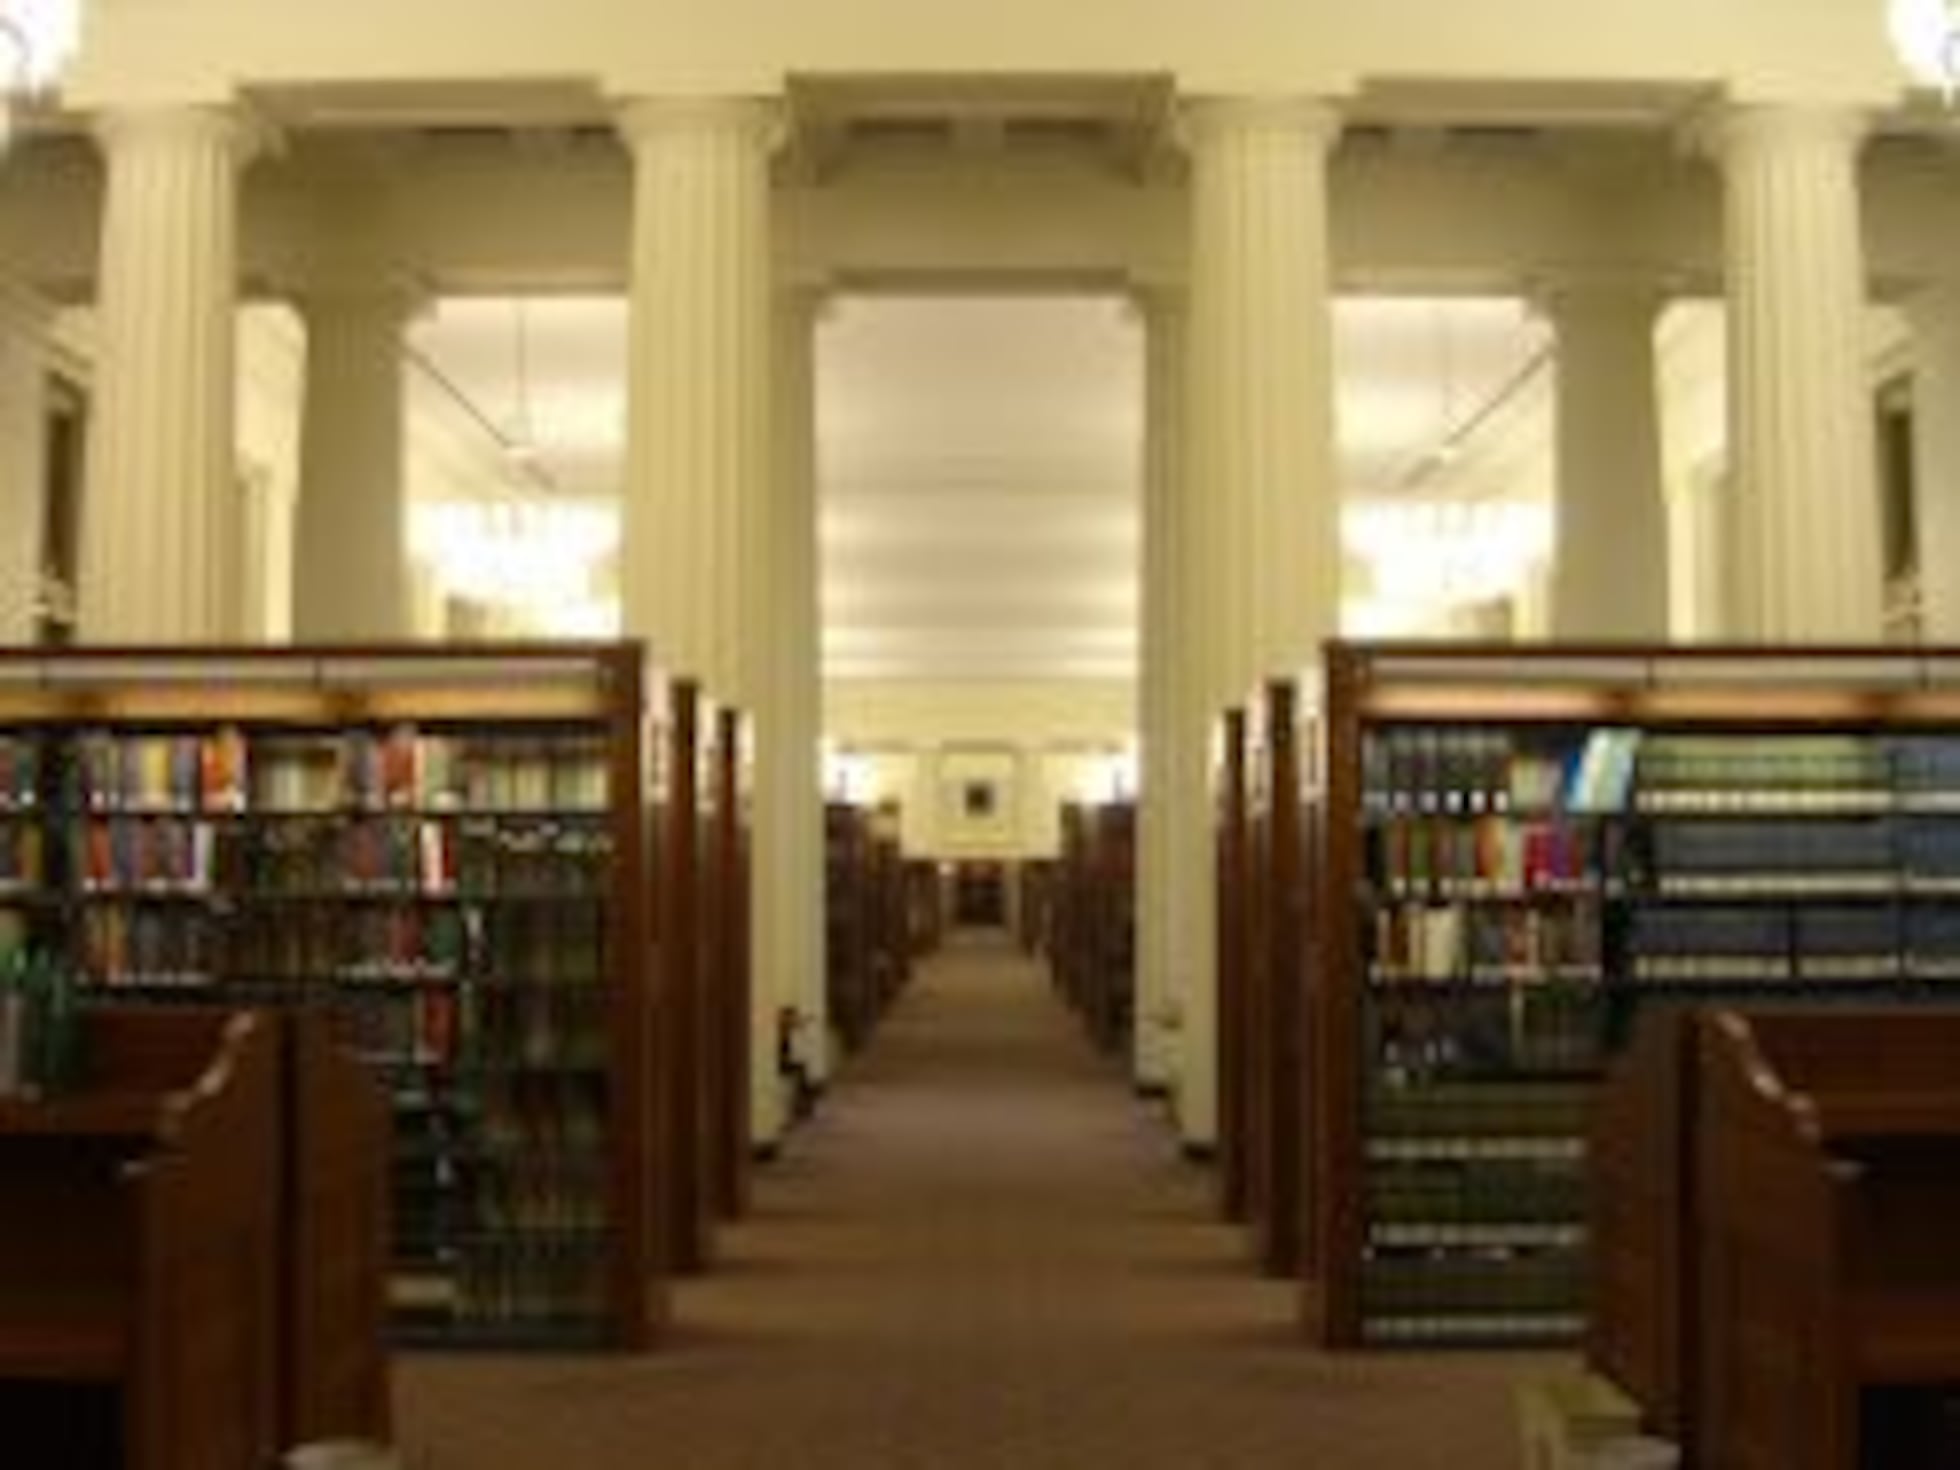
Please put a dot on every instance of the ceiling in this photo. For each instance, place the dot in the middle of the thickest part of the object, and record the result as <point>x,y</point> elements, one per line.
<point>980,456</point>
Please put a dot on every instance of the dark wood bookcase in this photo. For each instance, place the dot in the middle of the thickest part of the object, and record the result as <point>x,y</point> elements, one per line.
<point>140,1263</point>
<point>1239,1039</point>
<point>1514,853</point>
<point>445,852</point>
<point>1093,949</point>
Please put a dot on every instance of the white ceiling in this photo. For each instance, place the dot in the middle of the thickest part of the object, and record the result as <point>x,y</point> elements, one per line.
<point>980,456</point>
<point>980,462</point>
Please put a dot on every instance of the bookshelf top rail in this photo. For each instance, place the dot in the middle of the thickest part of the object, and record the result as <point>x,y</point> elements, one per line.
<point>1696,685</point>
<point>402,682</point>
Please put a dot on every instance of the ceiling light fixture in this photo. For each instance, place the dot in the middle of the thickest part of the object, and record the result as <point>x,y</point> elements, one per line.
<point>521,445</point>
<point>37,37</point>
<point>1926,36</point>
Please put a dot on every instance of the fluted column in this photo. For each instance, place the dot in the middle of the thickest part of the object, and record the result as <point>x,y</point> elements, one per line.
<point>1172,863</point>
<point>350,561</point>
<point>698,430</point>
<point>23,460</point>
<point>1262,506</point>
<point>161,446</point>
<point>1801,434</point>
<point>1609,570</point>
<point>788,921</point>
<point>1935,315</point>
<point>1261,392</point>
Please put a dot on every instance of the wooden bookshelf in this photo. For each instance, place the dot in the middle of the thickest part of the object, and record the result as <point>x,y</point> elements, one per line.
<point>445,851</point>
<point>1093,947</point>
<point>1827,1301</point>
<point>850,922</point>
<point>925,904</point>
<point>685,962</point>
<point>1517,851</point>
<point>140,1305</point>
<point>728,980</point>
<point>1239,1037</point>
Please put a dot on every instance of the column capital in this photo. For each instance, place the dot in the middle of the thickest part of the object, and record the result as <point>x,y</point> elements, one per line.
<point>1732,130</point>
<point>384,292</point>
<point>1150,292</point>
<point>1204,119</point>
<point>1568,292</point>
<point>245,133</point>
<point>642,120</point>
<point>810,295</point>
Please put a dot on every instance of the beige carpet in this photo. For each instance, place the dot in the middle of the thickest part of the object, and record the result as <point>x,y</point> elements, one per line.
<point>984,1253</point>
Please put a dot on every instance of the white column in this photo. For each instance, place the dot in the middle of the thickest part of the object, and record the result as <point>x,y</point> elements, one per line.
<point>698,435</point>
<point>791,752</point>
<point>1171,853</point>
<point>1609,569</point>
<point>1935,315</point>
<point>787,917</point>
<point>1262,506</point>
<point>23,461</point>
<point>350,552</point>
<point>1261,391</point>
<point>1801,431</point>
<point>161,445</point>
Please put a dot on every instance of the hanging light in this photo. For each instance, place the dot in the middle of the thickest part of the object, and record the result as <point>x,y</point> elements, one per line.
<point>37,37</point>
<point>1926,36</point>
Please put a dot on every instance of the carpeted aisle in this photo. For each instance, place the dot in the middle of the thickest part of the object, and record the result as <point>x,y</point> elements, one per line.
<point>985,1253</point>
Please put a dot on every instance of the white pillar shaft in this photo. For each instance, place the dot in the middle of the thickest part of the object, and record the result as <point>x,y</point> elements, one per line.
<point>1169,861</point>
<point>350,564</point>
<point>161,451</point>
<point>23,465</point>
<point>1609,575</point>
<point>1936,455</point>
<point>698,455</point>
<point>1260,382</point>
<point>1801,404</point>
<point>787,915</point>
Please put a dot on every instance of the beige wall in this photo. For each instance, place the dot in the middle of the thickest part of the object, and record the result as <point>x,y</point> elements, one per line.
<point>925,741</point>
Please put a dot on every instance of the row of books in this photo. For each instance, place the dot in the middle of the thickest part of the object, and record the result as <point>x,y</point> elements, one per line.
<point>1806,929</point>
<point>357,856</point>
<point>541,1193</point>
<point>1432,942</point>
<point>1800,845</point>
<point>230,771</point>
<point>1424,1039</point>
<point>480,1027</point>
<point>493,1287</point>
<point>1455,1193</point>
<point>23,857</point>
<point>40,1029</point>
<point>20,773</point>
<point>1479,1109</point>
<point>433,857</point>
<point>1471,770</point>
<point>1492,855</point>
<point>1789,763</point>
<point>1421,1283</point>
<point>377,944</point>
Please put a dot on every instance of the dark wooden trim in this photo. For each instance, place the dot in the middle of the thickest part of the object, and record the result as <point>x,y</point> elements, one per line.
<point>1238,1035</point>
<point>684,1242</point>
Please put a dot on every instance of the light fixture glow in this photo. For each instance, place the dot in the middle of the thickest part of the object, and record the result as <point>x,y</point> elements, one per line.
<point>543,560</point>
<point>37,38</point>
<point>1926,36</point>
